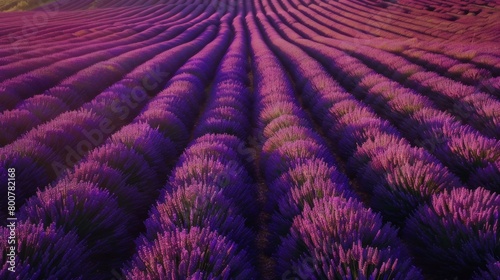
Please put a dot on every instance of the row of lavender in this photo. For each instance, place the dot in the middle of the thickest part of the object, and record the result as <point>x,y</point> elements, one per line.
<point>478,69</point>
<point>92,71</point>
<point>319,228</point>
<point>203,225</point>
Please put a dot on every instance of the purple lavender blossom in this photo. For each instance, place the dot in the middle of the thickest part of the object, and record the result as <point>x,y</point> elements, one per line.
<point>456,232</point>
<point>89,211</point>
<point>334,234</point>
<point>47,252</point>
<point>184,254</point>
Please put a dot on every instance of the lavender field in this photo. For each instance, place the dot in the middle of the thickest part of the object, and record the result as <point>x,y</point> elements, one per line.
<point>258,139</point>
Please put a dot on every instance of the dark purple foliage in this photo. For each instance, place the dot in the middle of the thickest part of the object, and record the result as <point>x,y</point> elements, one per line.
<point>189,254</point>
<point>46,252</point>
<point>456,233</point>
<point>154,146</point>
<point>289,154</point>
<point>230,176</point>
<point>203,206</point>
<point>167,123</point>
<point>340,239</point>
<point>407,186</point>
<point>112,179</point>
<point>89,211</point>
<point>44,106</point>
<point>487,177</point>
<point>14,123</point>
<point>491,272</point>
<point>136,169</point>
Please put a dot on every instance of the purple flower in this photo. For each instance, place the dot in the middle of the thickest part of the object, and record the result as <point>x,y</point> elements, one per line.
<point>350,107</point>
<point>167,123</point>
<point>33,170</point>
<point>9,97</point>
<point>14,123</point>
<point>68,94</point>
<point>456,233</point>
<point>276,109</point>
<point>214,150</point>
<point>282,122</point>
<point>115,181</point>
<point>291,153</point>
<point>490,273</point>
<point>239,102</point>
<point>408,186</point>
<point>292,203</point>
<point>230,176</point>
<point>46,252</point>
<point>370,149</point>
<point>221,126</point>
<point>310,170</point>
<point>89,211</point>
<point>360,131</point>
<point>184,254</point>
<point>405,104</point>
<point>44,106</point>
<point>289,135</point>
<point>225,139</point>
<point>157,150</point>
<point>472,151</point>
<point>203,206</point>
<point>335,237</point>
<point>132,164</point>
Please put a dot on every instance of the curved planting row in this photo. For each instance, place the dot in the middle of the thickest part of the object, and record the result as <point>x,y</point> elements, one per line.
<point>88,36</point>
<point>202,225</point>
<point>359,134</point>
<point>448,94</point>
<point>308,194</point>
<point>417,118</point>
<point>464,72</point>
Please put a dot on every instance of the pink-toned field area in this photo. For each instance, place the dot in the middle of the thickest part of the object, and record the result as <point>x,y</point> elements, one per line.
<point>259,139</point>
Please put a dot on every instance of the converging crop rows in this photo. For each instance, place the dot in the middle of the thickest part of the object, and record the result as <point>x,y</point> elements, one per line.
<point>263,139</point>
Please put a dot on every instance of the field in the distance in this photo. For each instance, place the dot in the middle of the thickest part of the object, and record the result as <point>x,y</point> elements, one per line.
<point>260,139</point>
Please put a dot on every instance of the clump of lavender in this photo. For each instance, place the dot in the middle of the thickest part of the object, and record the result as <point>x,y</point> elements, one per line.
<point>456,232</point>
<point>91,212</point>
<point>409,185</point>
<point>340,239</point>
<point>127,160</point>
<point>149,142</point>
<point>45,252</point>
<point>203,206</point>
<point>189,254</point>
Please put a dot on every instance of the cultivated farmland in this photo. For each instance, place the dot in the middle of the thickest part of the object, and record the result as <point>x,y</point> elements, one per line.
<point>258,139</point>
